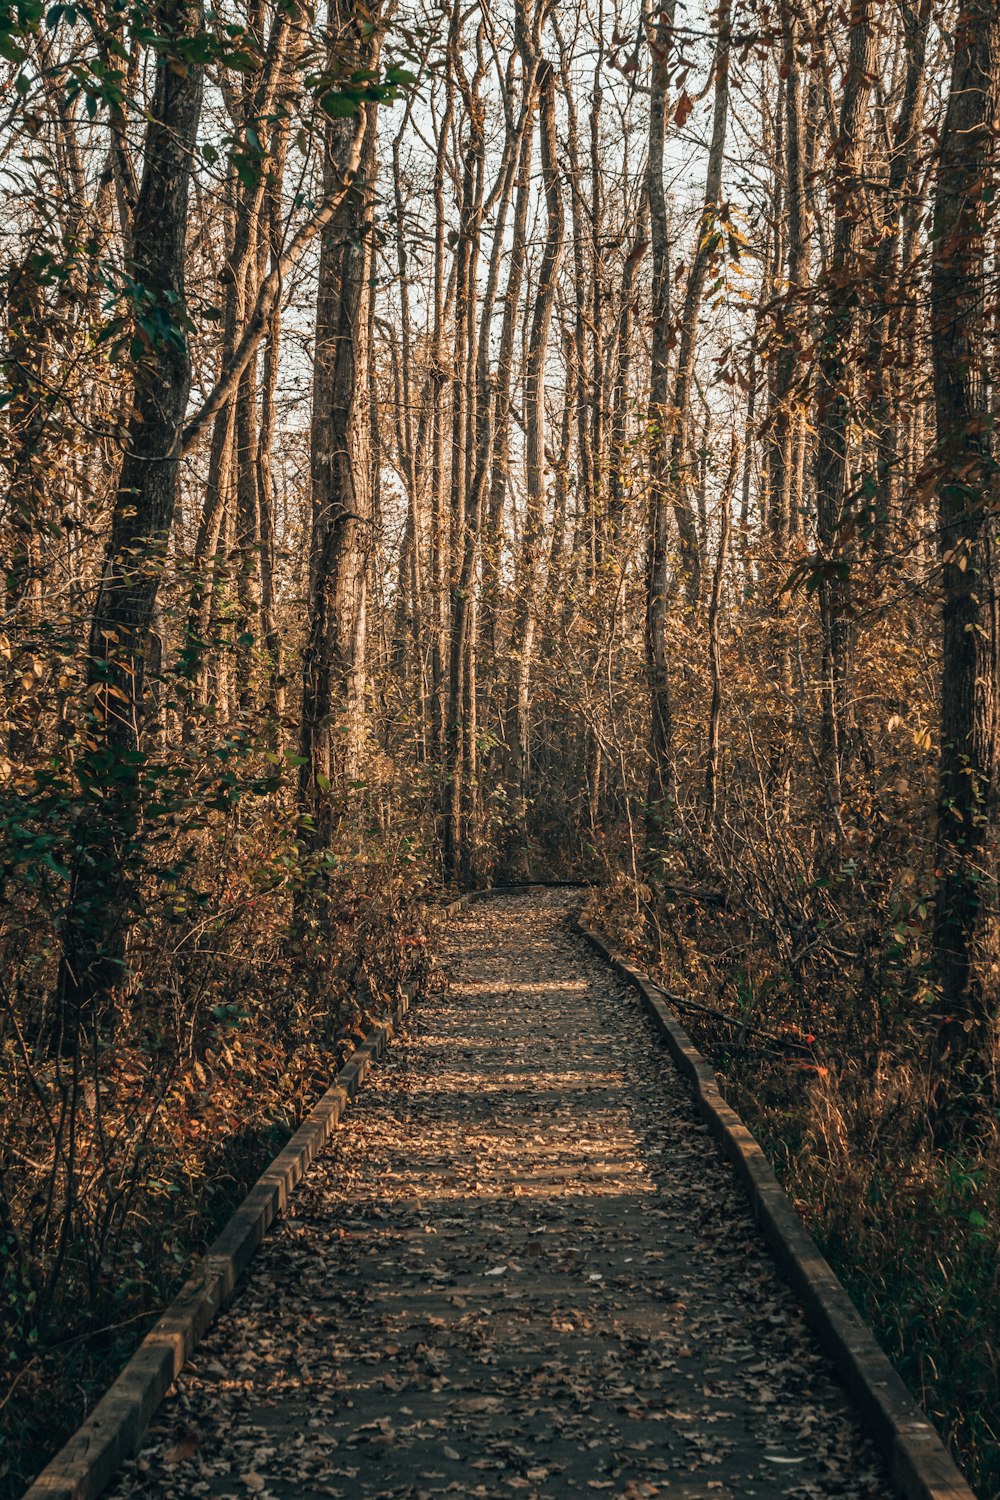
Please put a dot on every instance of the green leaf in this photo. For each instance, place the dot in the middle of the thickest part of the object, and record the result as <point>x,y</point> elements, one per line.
<point>248,169</point>
<point>339,106</point>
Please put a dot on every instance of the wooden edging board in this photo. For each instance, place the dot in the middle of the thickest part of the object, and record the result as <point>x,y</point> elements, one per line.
<point>118,1422</point>
<point>919,1463</point>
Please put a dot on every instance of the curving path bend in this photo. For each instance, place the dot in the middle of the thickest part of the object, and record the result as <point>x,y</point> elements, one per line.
<point>520,1269</point>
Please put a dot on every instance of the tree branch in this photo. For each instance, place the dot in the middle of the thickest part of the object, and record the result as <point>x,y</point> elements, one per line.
<point>270,288</point>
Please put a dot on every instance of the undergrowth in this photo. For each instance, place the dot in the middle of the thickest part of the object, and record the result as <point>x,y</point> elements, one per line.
<point>250,980</point>
<point>830,1067</point>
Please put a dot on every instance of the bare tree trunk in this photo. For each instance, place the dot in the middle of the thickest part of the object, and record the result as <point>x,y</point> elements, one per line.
<point>833,401</point>
<point>460,836</point>
<point>966,926</point>
<point>786,414</point>
<point>703,254</point>
<point>274,656</point>
<point>900,187</point>
<point>580,368</point>
<point>273,651</point>
<point>712,757</point>
<point>460,729</point>
<point>598,273</point>
<point>333,731</point>
<point>233,458</point>
<point>529,594</point>
<point>26,376</point>
<point>500,468</point>
<point>409,629</point>
<point>661,774</point>
<point>440,510</point>
<point>247,536</point>
<point>787,397</point>
<point>620,459</point>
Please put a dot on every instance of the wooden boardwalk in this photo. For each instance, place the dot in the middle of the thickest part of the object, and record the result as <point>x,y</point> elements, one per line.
<point>519,1269</point>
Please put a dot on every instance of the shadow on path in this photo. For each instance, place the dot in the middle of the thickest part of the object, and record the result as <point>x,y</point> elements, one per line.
<point>520,1268</point>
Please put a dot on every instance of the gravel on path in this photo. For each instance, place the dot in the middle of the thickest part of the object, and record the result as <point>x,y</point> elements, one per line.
<point>520,1268</point>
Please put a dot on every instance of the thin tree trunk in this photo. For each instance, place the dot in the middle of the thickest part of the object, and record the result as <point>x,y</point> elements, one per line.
<point>580,370</point>
<point>273,654</point>
<point>461,783</point>
<point>526,621</point>
<point>440,512</point>
<point>661,776</point>
<point>464,529</point>
<point>886,274</point>
<point>500,468</point>
<point>833,401</point>
<point>712,757</point>
<point>620,456</point>
<point>787,414</point>
<point>703,254</point>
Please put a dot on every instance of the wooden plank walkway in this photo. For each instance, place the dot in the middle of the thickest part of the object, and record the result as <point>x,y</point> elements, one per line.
<point>519,1269</point>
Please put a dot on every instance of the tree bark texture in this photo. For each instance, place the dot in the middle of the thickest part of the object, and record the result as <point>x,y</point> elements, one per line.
<point>966,930</point>
<point>334,729</point>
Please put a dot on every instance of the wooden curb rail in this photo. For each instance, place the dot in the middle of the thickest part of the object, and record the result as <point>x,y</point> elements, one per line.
<point>114,1429</point>
<point>919,1463</point>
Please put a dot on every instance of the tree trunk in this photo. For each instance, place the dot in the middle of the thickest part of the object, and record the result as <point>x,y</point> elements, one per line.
<point>702,256</point>
<point>661,776</point>
<point>102,895</point>
<point>529,593</point>
<point>504,366</point>
<point>460,728</point>
<point>440,548</point>
<point>460,817</point>
<point>834,405</point>
<point>901,186</point>
<point>258,112</point>
<point>787,415</point>
<point>966,928</point>
<point>713,753</point>
<point>333,729</point>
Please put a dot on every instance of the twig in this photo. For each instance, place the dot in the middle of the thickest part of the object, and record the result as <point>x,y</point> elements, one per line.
<point>19,1376</point>
<point>744,1026</point>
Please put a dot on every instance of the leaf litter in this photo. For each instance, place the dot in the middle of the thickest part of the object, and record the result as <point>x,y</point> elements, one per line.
<point>520,1268</point>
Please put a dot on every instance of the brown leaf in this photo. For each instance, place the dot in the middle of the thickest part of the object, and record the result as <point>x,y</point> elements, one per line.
<point>682,109</point>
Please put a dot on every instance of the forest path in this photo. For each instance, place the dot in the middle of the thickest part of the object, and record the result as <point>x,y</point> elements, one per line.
<point>520,1268</point>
